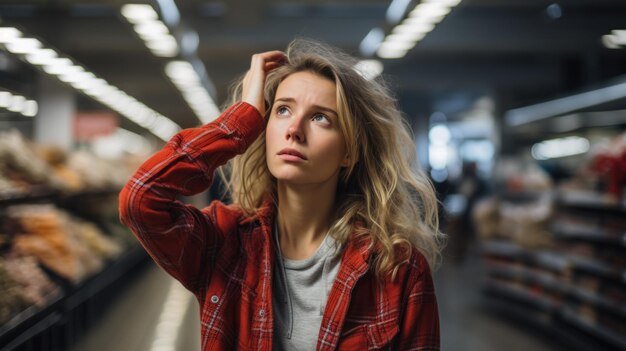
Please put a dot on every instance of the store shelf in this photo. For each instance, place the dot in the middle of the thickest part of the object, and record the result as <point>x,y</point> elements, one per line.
<point>526,196</point>
<point>597,268</point>
<point>54,196</point>
<point>520,295</point>
<point>611,337</point>
<point>597,300</point>
<point>510,307</point>
<point>591,200</point>
<point>593,233</point>
<point>549,260</point>
<point>503,248</point>
<point>30,315</point>
<point>553,324</point>
<point>37,195</point>
<point>526,275</point>
<point>72,312</point>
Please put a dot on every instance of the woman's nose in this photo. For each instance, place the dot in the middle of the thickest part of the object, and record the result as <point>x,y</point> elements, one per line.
<point>295,132</point>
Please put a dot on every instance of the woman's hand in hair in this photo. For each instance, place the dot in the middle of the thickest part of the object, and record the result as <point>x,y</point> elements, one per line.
<point>254,80</point>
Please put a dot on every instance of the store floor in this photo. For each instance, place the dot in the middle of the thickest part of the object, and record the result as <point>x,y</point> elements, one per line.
<point>132,321</point>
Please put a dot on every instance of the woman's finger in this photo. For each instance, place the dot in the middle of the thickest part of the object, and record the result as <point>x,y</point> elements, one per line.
<point>254,80</point>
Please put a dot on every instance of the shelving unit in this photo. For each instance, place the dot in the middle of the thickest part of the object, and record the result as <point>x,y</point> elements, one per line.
<point>72,308</point>
<point>546,281</point>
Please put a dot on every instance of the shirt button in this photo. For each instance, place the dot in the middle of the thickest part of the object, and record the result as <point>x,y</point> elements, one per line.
<point>214,299</point>
<point>262,312</point>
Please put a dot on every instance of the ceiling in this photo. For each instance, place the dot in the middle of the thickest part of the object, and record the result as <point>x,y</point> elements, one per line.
<point>510,49</point>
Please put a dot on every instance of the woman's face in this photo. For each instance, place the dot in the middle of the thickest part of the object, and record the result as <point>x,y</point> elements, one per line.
<point>303,142</point>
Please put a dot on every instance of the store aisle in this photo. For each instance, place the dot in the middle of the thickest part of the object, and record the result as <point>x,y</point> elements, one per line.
<point>466,324</point>
<point>131,323</point>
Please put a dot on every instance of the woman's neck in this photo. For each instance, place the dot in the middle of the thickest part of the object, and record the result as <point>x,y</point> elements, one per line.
<point>305,213</point>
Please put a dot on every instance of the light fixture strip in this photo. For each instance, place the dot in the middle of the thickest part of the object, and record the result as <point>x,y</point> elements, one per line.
<point>18,103</point>
<point>154,33</point>
<point>420,21</point>
<point>67,71</point>
<point>156,36</point>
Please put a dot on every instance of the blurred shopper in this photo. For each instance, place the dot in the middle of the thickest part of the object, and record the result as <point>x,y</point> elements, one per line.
<point>331,238</point>
<point>472,188</point>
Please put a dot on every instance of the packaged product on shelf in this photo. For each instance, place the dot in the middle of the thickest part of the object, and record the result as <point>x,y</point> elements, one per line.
<point>9,188</point>
<point>486,218</point>
<point>587,312</point>
<point>99,244</point>
<point>57,159</point>
<point>514,176</point>
<point>11,301</point>
<point>603,174</point>
<point>97,173</point>
<point>35,286</point>
<point>121,235</point>
<point>50,235</point>
<point>527,224</point>
<point>20,163</point>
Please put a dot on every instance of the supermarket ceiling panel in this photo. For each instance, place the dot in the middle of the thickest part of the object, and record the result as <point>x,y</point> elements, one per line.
<point>522,49</point>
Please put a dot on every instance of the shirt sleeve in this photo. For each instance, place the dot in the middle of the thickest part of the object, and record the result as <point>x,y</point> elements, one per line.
<point>419,329</point>
<point>182,238</point>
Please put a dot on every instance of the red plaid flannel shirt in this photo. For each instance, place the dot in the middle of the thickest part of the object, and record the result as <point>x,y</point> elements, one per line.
<point>226,259</point>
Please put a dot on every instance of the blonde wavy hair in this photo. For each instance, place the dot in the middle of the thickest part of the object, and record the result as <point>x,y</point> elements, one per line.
<point>382,194</point>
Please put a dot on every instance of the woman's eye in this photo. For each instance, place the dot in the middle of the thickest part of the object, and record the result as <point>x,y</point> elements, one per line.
<point>282,110</point>
<point>321,118</point>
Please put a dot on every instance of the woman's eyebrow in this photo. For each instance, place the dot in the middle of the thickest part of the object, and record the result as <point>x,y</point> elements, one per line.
<point>318,107</point>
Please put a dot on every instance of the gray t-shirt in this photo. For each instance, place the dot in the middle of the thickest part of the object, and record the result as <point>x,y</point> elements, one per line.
<point>300,291</point>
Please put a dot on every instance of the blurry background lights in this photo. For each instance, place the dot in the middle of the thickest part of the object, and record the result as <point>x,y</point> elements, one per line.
<point>18,104</point>
<point>560,147</point>
<point>52,62</point>
<point>404,36</point>
<point>438,151</point>
<point>369,69</point>
<point>185,78</point>
<point>615,40</point>
<point>151,29</point>
<point>371,42</point>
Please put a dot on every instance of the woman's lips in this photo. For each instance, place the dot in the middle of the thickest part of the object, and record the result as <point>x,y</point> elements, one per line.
<point>291,155</point>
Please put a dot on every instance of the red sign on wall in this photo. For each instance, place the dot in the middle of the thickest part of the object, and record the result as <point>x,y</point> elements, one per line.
<point>88,125</point>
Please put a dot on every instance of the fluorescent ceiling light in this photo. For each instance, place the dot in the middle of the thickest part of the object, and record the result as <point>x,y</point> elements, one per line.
<point>396,10</point>
<point>5,99</point>
<point>430,9</point>
<point>387,53</point>
<point>418,23</point>
<point>17,103</point>
<point>620,36</point>
<point>396,45</point>
<point>42,57</point>
<point>135,13</point>
<point>610,42</point>
<point>449,3</point>
<point>565,105</point>
<point>405,37</point>
<point>369,69</point>
<point>30,108</point>
<point>23,45</point>
<point>414,28</point>
<point>371,42</point>
<point>166,44</point>
<point>33,52</point>
<point>561,147</point>
<point>9,34</point>
<point>151,28</point>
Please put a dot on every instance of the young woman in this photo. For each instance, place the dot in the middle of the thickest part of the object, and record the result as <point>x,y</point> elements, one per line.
<point>332,233</point>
